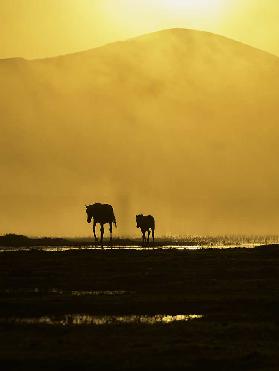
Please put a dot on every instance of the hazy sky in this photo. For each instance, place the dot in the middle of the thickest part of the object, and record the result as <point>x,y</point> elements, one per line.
<point>83,128</point>
<point>39,28</point>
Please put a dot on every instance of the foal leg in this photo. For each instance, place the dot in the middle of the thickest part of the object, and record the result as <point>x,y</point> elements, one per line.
<point>94,231</point>
<point>148,235</point>
<point>143,236</point>
<point>110,230</point>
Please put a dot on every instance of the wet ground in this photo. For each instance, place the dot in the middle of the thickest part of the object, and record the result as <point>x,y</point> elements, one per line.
<point>140,309</point>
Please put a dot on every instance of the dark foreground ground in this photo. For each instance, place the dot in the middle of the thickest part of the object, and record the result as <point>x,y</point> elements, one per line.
<point>236,290</point>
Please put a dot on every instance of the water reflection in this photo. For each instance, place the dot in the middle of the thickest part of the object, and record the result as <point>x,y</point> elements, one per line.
<point>55,291</point>
<point>98,320</point>
<point>99,293</point>
<point>127,247</point>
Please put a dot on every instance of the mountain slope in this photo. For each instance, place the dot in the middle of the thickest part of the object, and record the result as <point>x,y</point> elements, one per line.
<point>179,123</point>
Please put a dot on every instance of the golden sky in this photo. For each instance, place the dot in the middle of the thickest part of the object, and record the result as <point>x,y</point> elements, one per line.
<point>40,28</point>
<point>83,128</point>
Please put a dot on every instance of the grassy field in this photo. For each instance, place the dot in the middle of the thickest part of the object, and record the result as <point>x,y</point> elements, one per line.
<point>236,290</point>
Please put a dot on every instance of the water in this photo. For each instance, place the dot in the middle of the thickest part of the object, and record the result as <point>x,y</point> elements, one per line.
<point>129,248</point>
<point>99,320</point>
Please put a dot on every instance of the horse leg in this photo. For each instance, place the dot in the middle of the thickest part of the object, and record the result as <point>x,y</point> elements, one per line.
<point>110,230</point>
<point>102,233</point>
<point>148,235</point>
<point>153,234</point>
<point>94,231</point>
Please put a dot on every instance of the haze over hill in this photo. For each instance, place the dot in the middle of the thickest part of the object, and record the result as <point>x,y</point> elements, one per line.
<point>180,123</point>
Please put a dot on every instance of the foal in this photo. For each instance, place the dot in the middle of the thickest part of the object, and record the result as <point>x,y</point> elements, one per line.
<point>147,224</point>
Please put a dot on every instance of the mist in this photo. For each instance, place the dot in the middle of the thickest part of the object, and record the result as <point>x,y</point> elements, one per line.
<point>180,124</point>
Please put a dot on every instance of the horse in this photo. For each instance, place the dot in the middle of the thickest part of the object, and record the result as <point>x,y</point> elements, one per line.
<point>102,214</point>
<point>145,223</point>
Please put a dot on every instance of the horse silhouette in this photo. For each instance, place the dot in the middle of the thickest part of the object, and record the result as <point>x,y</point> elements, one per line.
<point>102,214</point>
<point>146,223</point>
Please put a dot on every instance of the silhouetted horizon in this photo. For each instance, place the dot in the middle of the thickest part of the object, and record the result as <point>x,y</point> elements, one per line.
<point>140,35</point>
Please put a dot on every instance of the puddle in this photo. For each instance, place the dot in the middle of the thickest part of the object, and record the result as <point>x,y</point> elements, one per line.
<point>98,320</point>
<point>55,291</point>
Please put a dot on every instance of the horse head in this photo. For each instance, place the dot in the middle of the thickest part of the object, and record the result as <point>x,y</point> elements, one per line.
<point>89,215</point>
<point>139,220</point>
